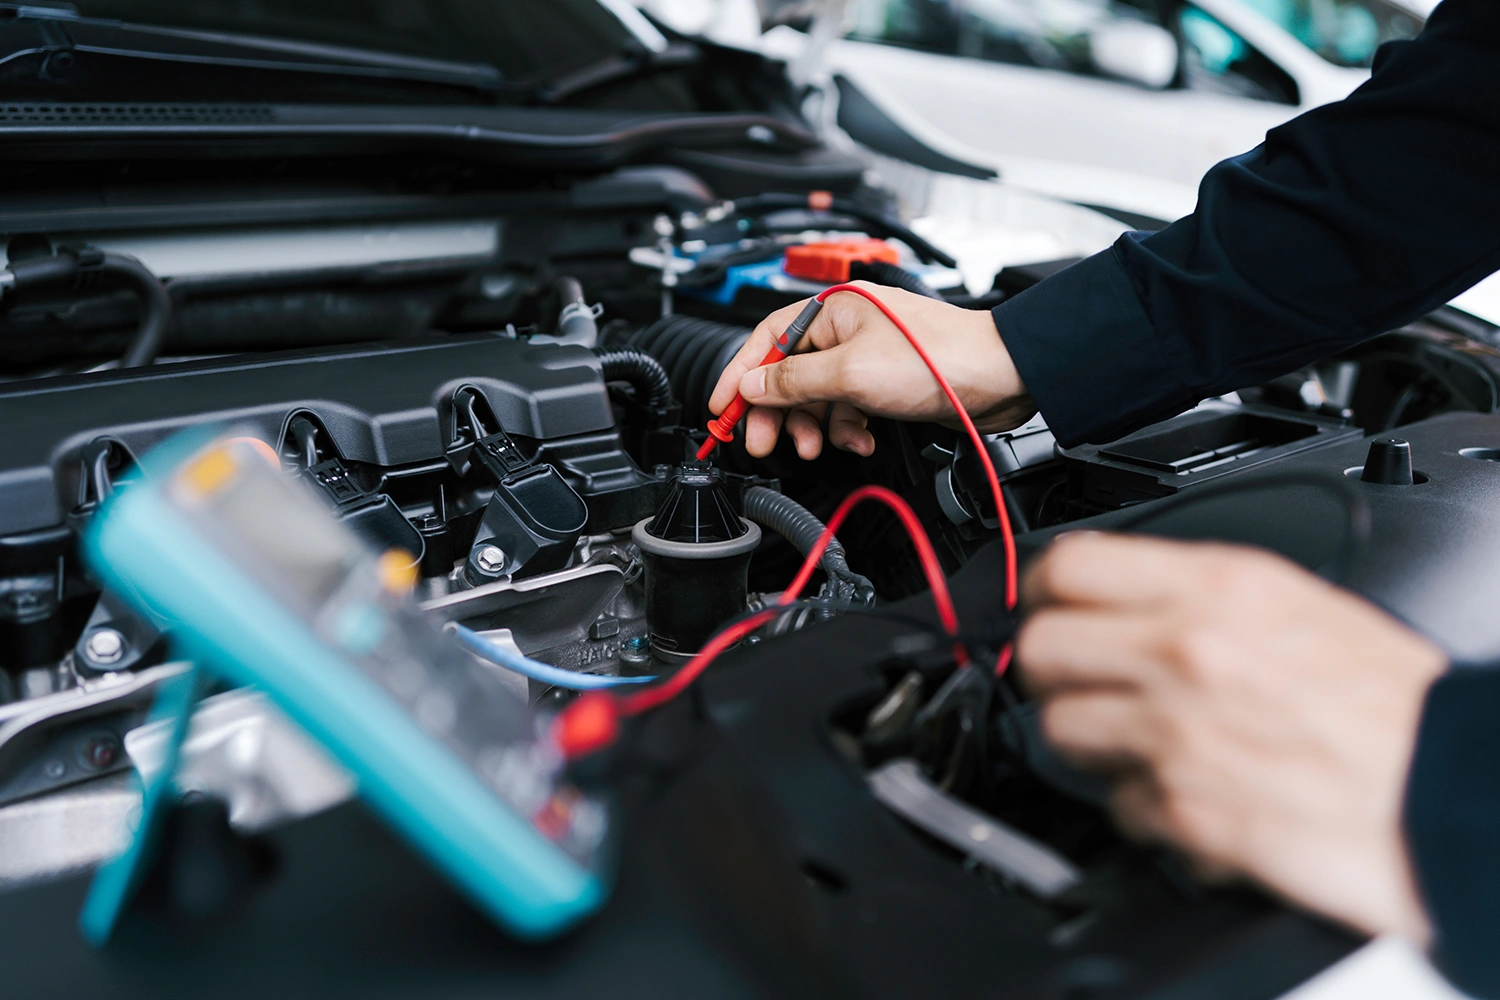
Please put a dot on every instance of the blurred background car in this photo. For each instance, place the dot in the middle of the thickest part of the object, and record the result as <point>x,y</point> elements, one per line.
<point>1122,104</point>
<point>1119,106</point>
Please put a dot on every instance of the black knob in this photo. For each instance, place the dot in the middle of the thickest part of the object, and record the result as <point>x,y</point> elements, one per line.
<point>696,510</point>
<point>1388,463</point>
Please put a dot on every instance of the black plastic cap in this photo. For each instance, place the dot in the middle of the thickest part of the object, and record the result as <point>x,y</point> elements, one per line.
<point>696,510</point>
<point>1388,463</point>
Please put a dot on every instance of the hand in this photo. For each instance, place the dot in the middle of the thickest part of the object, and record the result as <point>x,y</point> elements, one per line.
<point>1257,717</point>
<point>860,365</point>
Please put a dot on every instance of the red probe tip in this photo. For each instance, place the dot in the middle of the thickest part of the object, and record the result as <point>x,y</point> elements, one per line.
<point>721,428</point>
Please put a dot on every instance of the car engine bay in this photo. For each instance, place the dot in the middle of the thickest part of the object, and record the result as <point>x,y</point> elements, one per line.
<point>511,390</point>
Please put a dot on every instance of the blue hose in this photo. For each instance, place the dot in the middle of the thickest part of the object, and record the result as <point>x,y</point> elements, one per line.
<point>493,652</point>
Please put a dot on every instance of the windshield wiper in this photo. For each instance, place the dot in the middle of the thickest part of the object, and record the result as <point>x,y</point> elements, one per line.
<point>59,37</point>
<point>630,63</point>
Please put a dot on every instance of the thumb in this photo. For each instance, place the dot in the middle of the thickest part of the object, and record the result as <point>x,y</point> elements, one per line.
<point>813,377</point>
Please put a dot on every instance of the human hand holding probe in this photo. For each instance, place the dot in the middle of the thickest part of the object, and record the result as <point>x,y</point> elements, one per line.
<point>954,405</point>
<point>852,363</point>
<point>721,428</point>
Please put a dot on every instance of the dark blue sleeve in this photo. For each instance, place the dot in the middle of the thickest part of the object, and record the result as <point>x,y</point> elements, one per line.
<point>1453,825</point>
<point>1348,221</point>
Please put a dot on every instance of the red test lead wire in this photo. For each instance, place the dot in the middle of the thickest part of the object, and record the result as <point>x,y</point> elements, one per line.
<point>659,694</point>
<point>1006,533</point>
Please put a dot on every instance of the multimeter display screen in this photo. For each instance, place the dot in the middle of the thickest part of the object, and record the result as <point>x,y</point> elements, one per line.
<point>283,529</point>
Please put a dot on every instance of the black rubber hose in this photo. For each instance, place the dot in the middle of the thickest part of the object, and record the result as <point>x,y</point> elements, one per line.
<point>883,273</point>
<point>643,372</point>
<point>693,351</point>
<point>156,309</point>
<point>763,204</point>
<point>34,272</point>
<point>156,306</point>
<point>801,527</point>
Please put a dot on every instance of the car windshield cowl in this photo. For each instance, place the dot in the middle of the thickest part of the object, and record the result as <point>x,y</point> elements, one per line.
<point>55,42</point>
<point>321,51</point>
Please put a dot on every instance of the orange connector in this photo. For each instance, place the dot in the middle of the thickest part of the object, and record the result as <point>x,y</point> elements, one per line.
<point>829,262</point>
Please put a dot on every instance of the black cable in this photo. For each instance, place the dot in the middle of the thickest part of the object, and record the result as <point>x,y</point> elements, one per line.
<point>764,204</point>
<point>643,372</point>
<point>693,352</point>
<point>972,641</point>
<point>834,604</point>
<point>76,262</point>
<point>883,273</point>
<point>156,309</point>
<point>305,432</point>
<point>802,528</point>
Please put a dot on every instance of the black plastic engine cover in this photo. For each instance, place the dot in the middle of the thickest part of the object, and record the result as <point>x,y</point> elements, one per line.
<point>1433,549</point>
<point>386,406</point>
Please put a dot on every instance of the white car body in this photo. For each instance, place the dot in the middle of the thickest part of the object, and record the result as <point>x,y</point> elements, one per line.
<point>1081,139</point>
<point>1086,139</point>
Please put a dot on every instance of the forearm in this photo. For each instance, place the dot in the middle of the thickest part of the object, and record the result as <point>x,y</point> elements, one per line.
<point>1349,221</point>
<point>1453,824</point>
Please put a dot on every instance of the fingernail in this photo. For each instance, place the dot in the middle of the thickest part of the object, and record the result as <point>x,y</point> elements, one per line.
<point>753,385</point>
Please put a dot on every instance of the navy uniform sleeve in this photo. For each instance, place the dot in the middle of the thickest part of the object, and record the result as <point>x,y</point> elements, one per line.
<point>1349,221</point>
<point>1453,825</point>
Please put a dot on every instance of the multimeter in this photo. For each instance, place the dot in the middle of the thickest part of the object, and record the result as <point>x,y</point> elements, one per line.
<point>263,586</point>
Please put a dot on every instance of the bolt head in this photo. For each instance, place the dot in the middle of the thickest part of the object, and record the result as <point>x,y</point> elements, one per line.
<point>490,559</point>
<point>105,645</point>
<point>102,752</point>
<point>636,649</point>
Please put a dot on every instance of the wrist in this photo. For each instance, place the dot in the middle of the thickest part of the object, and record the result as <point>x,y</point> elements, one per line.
<point>998,399</point>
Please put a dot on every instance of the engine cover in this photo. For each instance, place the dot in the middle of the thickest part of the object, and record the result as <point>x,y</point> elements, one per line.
<point>385,406</point>
<point>1429,552</point>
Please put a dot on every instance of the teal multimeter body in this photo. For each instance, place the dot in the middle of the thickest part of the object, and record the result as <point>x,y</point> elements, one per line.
<point>262,586</point>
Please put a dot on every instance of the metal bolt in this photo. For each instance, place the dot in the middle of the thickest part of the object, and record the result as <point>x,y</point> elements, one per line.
<point>636,649</point>
<point>102,752</point>
<point>490,559</point>
<point>105,645</point>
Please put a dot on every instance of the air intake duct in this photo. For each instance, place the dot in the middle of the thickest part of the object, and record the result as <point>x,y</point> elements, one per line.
<point>694,352</point>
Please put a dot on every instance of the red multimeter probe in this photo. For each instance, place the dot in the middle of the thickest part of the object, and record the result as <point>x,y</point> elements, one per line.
<point>722,427</point>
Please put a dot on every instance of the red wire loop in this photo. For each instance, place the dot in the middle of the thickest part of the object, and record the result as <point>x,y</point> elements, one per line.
<point>1012,588</point>
<point>913,525</point>
<point>642,701</point>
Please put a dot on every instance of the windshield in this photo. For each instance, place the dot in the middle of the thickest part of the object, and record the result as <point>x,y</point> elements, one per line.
<point>1054,32</point>
<point>1345,32</point>
<point>1049,33</point>
<point>523,39</point>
